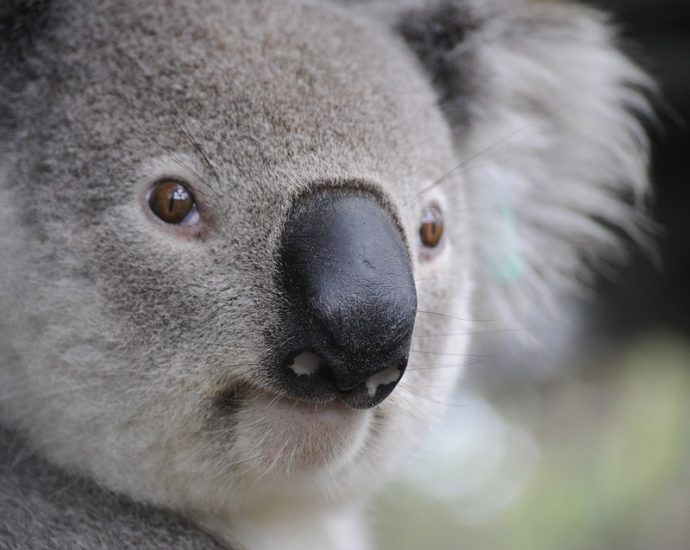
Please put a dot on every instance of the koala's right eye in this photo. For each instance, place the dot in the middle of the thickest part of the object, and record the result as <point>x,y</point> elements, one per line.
<point>431,228</point>
<point>173,202</point>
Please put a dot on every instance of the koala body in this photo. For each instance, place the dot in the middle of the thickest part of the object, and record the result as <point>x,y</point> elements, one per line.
<point>241,366</point>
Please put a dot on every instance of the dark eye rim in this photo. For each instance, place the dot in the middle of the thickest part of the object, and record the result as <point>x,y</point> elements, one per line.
<point>191,217</point>
<point>432,214</point>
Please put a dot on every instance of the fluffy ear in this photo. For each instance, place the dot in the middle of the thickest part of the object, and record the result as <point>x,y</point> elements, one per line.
<point>544,110</point>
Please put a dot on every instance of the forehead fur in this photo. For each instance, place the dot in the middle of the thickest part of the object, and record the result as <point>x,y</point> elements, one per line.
<point>264,94</point>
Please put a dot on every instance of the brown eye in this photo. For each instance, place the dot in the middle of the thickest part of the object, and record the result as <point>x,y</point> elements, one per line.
<point>171,201</point>
<point>431,229</point>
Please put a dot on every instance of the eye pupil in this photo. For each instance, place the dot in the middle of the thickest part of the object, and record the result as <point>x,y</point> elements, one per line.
<point>431,229</point>
<point>171,201</point>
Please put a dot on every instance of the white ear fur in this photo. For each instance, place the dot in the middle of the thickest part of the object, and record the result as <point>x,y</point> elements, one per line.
<point>556,159</point>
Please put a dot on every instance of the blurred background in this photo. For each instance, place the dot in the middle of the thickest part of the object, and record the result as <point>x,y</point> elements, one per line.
<point>585,446</point>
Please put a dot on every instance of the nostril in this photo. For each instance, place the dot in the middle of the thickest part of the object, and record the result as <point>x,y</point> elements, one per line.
<point>307,376</point>
<point>375,388</point>
<point>306,364</point>
<point>391,375</point>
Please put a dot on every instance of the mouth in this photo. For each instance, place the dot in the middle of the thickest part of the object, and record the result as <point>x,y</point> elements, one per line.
<point>232,401</point>
<point>295,435</point>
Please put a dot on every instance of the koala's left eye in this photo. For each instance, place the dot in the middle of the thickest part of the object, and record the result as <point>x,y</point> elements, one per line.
<point>172,202</point>
<point>431,228</point>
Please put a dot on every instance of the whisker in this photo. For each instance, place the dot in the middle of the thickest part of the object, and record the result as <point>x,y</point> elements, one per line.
<point>471,332</point>
<point>172,156</point>
<point>449,354</point>
<point>448,316</point>
<point>463,163</point>
<point>430,367</point>
<point>444,403</point>
<point>190,139</point>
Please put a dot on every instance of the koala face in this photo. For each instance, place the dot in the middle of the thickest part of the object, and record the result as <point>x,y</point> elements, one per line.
<point>242,252</point>
<point>224,237</point>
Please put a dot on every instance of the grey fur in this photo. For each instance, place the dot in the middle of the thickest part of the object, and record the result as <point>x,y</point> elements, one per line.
<point>120,335</point>
<point>43,508</point>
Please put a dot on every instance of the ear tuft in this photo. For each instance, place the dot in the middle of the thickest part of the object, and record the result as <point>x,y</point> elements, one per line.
<point>437,34</point>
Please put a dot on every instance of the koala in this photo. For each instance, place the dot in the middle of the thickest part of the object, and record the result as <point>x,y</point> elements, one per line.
<point>244,244</point>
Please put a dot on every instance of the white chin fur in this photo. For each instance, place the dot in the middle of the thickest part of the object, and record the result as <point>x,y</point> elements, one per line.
<point>283,435</point>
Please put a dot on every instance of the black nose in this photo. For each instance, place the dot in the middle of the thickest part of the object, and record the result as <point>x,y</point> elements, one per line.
<point>351,301</point>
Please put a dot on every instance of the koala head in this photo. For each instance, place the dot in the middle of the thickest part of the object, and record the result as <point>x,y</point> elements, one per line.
<point>241,239</point>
